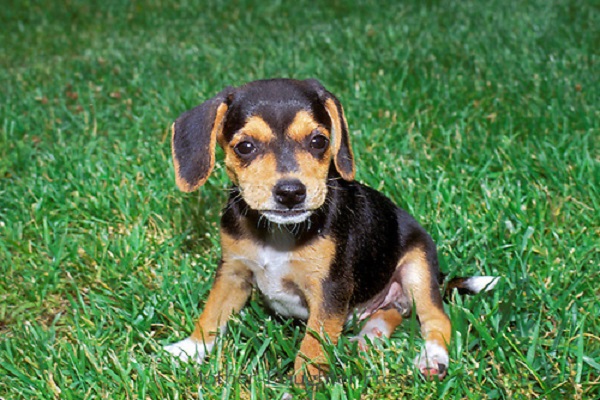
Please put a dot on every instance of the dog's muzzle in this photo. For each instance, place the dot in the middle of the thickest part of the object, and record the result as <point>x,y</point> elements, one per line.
<point>289,196</point>
<point>289,193</point>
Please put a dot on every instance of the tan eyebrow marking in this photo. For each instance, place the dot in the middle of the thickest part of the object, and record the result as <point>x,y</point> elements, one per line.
<point>258,128</point>
<point>302,125</point>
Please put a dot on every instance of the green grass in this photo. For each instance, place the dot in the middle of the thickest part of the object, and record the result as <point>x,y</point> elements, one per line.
<point>481,118</point>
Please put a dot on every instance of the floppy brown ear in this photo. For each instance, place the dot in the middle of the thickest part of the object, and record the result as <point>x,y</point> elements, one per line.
<point>343,158</point>
<point>194,139</point>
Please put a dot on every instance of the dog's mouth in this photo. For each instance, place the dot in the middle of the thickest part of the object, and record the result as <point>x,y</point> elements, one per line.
<point>294,216</point>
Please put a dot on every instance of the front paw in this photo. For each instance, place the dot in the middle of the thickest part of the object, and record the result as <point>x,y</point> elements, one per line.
<point>308,374</point>
<point>189,349</point>
<point>433,361</point>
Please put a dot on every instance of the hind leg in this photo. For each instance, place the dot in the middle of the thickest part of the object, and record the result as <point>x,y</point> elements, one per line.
<point>419,281</point>
<point>381,323</point>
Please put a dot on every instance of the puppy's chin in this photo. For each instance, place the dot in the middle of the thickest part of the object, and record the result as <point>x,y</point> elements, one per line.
<point>287,217</point>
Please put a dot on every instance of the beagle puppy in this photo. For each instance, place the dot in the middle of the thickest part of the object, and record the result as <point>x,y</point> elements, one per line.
<point>317,244</point>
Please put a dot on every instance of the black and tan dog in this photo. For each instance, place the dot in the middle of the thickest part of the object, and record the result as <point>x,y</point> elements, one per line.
<point>318,245</point>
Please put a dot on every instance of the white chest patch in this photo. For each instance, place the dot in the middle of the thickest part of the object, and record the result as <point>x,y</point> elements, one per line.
<point>271,269</point>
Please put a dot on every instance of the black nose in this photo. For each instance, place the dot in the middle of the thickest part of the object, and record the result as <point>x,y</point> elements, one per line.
<point>289,193</point>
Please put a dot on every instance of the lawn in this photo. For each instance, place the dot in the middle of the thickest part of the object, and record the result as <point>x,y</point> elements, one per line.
<point>481,118</point>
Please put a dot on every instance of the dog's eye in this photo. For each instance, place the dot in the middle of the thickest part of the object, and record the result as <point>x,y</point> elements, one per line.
<point>245,148</point>
<point>319,142</point>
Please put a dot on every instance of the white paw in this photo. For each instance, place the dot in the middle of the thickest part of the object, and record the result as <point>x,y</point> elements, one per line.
<point>433,361</point>
<point>374,328</point>
<point>189,349</point>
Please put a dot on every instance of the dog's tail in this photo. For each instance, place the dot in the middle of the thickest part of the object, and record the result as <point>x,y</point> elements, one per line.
<point>471,285</point>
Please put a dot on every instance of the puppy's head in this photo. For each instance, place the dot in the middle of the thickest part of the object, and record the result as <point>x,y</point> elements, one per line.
<point>280,138</point>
